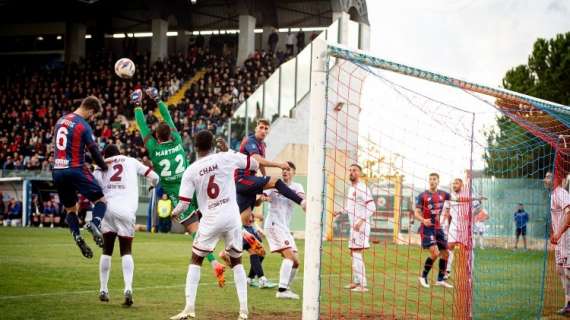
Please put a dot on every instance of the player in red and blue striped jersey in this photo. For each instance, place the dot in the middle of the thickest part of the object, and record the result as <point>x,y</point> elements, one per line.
<point>249,185</point>
<point>70,173</point>
<point>429,207</point>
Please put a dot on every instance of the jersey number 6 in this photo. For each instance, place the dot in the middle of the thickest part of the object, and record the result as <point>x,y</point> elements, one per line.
<point>213,188</point>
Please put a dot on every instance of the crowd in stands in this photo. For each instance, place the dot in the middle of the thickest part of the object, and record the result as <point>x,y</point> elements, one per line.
<point>32,98</point>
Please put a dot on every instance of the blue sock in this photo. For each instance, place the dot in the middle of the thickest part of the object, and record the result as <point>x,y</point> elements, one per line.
<point>73,223</point>
<point>99,212</point>
<point>287,192</point>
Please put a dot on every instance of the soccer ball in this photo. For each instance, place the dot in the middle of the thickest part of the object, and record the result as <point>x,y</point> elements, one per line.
<point>125,68</point>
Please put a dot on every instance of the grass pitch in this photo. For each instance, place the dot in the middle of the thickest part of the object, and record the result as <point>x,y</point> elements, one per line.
<point>45,277</point>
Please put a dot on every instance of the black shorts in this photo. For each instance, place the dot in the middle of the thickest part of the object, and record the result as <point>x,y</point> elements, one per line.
<point>248,187</point>
<point>72,180</point>
<point>521,231</point>
<point>432,236</point>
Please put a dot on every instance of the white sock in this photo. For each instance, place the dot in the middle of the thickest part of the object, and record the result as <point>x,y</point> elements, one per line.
<point>128,271</point>
<point>292,277</point>
<point>192,280</point>
<point>285,273</point>
<point>450,261</point>
<point>358,269</point>
<point>481,244</point>
<point>241,287</point>
<point>104,270</point>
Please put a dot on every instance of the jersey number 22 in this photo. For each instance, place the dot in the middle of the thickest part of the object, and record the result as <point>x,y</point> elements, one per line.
<point>165,164</point>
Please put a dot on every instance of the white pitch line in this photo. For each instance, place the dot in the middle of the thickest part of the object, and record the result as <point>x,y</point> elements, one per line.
<point>65,293</point>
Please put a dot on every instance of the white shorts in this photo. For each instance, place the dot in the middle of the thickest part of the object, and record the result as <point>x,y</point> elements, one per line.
<point>280,239</point>
<point>454,235</point>
<point>121,225</point>
<point>208,236</point>
<point>359,239</point>
<point>480,228</point>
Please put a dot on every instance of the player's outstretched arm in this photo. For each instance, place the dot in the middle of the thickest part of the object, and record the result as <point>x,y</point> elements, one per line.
<point>163,109</point>
<point>152,93</point>
<point>269,164</point>
<point>136,100</point>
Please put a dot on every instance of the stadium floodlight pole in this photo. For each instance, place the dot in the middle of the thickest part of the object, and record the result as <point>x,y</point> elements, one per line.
<point>315,182</point>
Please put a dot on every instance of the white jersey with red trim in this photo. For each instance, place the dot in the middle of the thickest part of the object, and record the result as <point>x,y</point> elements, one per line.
<point>120,184</point>
<point>359,203</point>
<point>212,178</point>
<point>560,200</point>
<point>359,206</point>
<point>281,208</point>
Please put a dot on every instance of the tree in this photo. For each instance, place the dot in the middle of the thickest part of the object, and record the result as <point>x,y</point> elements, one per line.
<point>513,151</point>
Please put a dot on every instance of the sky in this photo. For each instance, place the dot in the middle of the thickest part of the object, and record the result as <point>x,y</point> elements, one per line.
<point>473,40</point>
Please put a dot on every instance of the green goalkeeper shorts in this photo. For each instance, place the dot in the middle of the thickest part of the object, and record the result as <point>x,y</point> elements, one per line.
<point>189,216</point>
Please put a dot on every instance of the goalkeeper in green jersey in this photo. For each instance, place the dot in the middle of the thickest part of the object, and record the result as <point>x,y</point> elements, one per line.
<point>169,161</point>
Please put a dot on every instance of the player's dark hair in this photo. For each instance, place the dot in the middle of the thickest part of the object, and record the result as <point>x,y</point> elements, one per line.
<point>204,141</point>
<point>92,103</point>
<point>263,121</point>
<point>433,174</point>
<point>163,132</point>
<point>111,150</point>
<point>291,165</point>
<point>357,165</point>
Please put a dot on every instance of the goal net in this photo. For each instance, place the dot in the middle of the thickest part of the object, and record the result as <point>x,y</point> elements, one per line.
<point>490,149</point>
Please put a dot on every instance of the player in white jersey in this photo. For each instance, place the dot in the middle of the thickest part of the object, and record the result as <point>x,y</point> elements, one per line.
<point>456,218</point>
<point>359,207</point>
<point>278,233</point>
<point>212,178</point>
<point>560,216</point>
<point>121,189</point>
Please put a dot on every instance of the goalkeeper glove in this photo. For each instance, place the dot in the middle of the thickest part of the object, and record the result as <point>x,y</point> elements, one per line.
<point>136,97</point>
<point>152,93</point>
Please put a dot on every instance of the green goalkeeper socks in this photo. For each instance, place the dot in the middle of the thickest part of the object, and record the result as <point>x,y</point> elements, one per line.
<point>210,256</point>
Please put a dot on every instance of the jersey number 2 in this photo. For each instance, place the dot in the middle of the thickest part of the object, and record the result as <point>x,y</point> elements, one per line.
<point>213,188</point>
<point>118,171</point>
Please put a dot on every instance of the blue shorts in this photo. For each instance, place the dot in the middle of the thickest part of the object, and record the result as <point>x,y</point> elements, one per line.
<point>72,180</point>
<point>252,230</point>
<point>432,236</point>
<point>248,187</point>
<point>520,231</point>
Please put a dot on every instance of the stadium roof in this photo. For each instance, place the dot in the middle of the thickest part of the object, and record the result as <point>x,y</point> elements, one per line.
<point>136,15</point>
